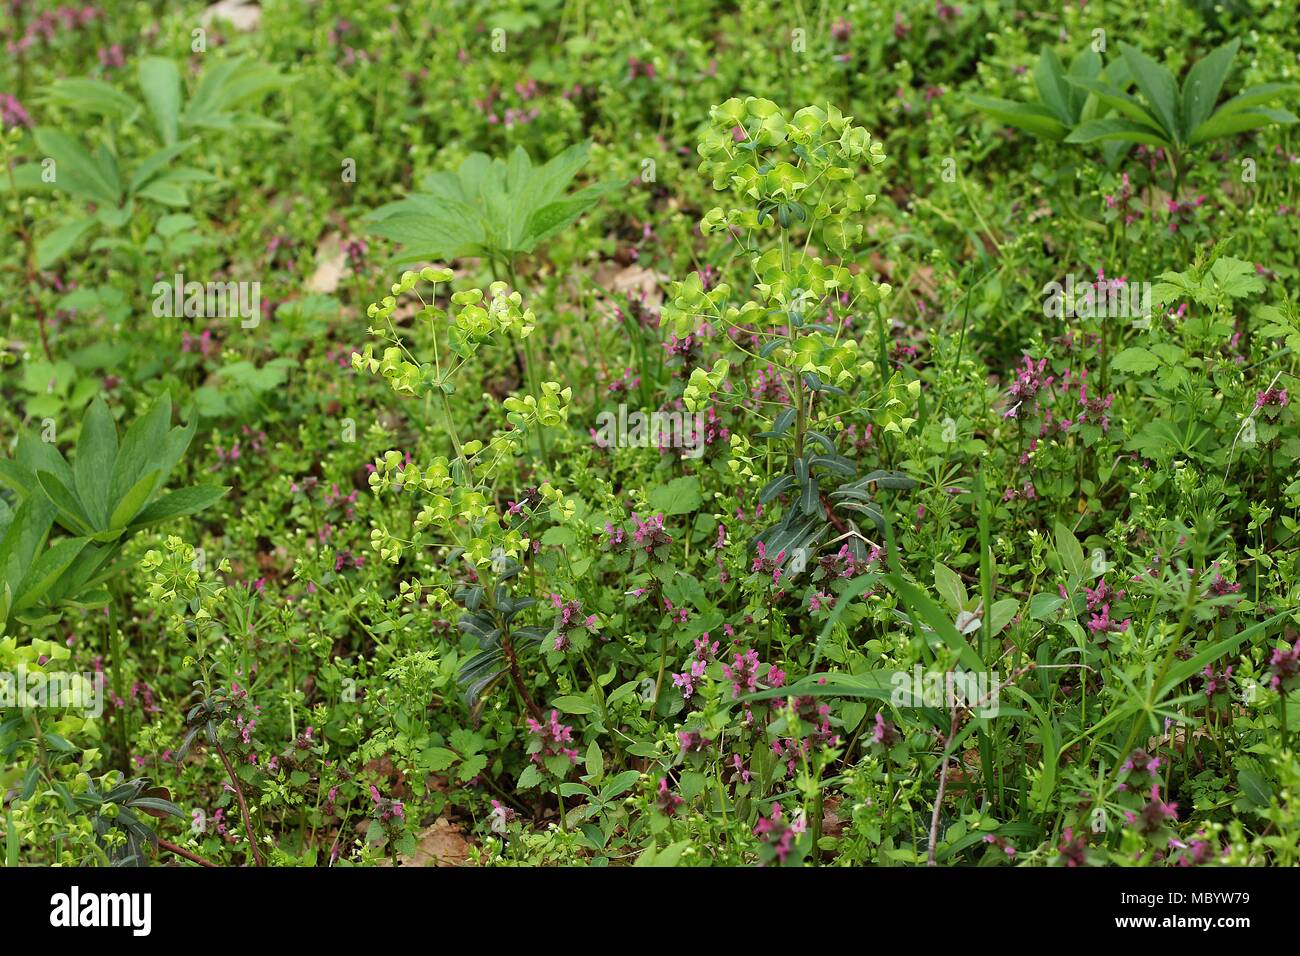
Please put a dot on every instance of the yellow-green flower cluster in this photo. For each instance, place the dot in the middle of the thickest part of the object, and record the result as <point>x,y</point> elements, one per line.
<point>549,410</point>
<point>803,169</point>
<point>475,323</point>
<point>452,512</point>
<point>704,383</point>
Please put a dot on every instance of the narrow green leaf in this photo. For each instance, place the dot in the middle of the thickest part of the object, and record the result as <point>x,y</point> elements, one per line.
<point>1203,83</point>
<point>1158,86</point>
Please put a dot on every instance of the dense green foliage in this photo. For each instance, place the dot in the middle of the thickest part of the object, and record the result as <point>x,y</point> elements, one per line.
<point>566,434</point>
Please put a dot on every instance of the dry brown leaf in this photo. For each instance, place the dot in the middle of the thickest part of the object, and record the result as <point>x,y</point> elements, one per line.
<point>631,280</point>
<point>240,14</point>
<point>329,265</point>
<point>438,845</point>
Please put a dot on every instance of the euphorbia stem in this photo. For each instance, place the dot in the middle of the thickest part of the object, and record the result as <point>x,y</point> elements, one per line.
<point>243,807</point>
<point>181,851</point>
<point>508,649</point>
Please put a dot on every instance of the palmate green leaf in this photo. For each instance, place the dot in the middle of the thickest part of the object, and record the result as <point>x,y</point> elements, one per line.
<point>1030,117</point>
<point>225,88</point>
<point>1227,124</point>
<point>431,229</point>
<point>555,217</point>
<point>1114,128</point>
<point>1158,86</point>
<point>1203,83</point>
<point>493,207</point>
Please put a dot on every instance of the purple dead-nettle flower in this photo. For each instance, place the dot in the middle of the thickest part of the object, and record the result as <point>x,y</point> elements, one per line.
<point>884,733</point>
<point>743,673</point>
<point>692,741</point>
<point>1101,595</point>
<point>12,113</point>
<point>649,534</point>
<point>1102,626</point>
<point>777,834</point>
<point>1002,843</point>
<point>1073,849</point>
<point>500,818</point>
<point>355,251</point>
<point>551,738</point>
<point>112,57</point>
<point>665,799</point>
<point>1153,816</point>
<point>1218,685</point>
<point>1030,380</point>
<point>1284,668</point>
<point>1274,397</point>
<point>1140,771</point>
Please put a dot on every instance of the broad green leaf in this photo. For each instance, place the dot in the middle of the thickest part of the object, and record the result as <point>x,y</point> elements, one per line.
<point>1203,83</point>
<point>1118,101</point>
<point>1134,359</point>
<point>93,467</point>
<point>75,170</point>
<point>160,81</point>
<point>924,608</point>
<point>85,95</point>
<point>1030,117</point>
<point>1158,86</point>
<point>1256,96</point>
<point>1049,78</point>
<point>1001,615</point>
<point>143,440</point>
<point>1113,128</point>
<point>42,575</point>
<point>29,525</point>
<point>53,246</point>
<point>132,502</point>
<point>69,511</point>
<point>182,501</point>
<point>950,587</point>
<point>1070,552</point>
<point>1227,124</point>
<point>1087,65</point>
